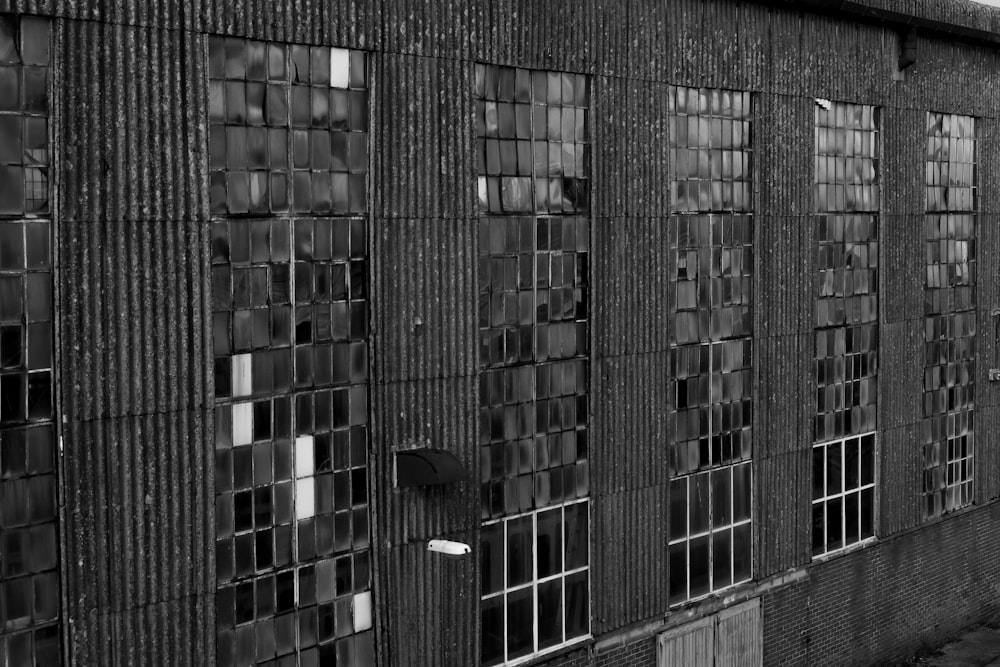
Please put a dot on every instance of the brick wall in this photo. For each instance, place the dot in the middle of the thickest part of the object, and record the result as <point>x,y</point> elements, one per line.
<point>884,602</point>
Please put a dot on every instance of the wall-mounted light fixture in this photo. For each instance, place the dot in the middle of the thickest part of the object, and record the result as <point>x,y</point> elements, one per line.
<point>449,548</point>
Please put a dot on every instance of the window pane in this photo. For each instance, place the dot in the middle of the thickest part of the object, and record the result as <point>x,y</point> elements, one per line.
<point>577,605</point>
<point>742,553</point>
<point>852,464</point>
<point>492,558</point>
<point>678,572</point>
<point>722,559</point>
<point>549,543</point>
<point>867,513</point>
<point>520,623</point>
<point>834,481</point>
<point>834,524</point>
<point>818,528</point>
<point>819,472</point>
<point>492,629</point>
<point>577,536</point>
<point>721,497</point>
<point>698,510</point>
<point>700,565</point>
<point>550,614</point>
<point>741,492</point>
<point>678,508</point>
<point>852,518</point>
<point>519,551</point>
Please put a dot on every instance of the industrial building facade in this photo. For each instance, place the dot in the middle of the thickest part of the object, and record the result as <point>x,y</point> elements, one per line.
<point>681,315</point>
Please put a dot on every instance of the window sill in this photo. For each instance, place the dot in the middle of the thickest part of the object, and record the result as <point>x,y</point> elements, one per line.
<point>843,551</point>
<point>949,514</point>
<point>723,595</point>
<point>549,653</point>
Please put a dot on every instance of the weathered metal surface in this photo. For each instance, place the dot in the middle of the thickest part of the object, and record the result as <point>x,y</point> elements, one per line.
<point>423,138</point>
<point>136,539</point>
<point>134,357</point>
<point>426,304</point>
<point>902,460</point>
<point>119,161</point>
<point>692,644</point>
<point>783,538</point>
<point>629,557</point>
<point>434,601</point>
<point>739,634</point>
<point>631,266</point>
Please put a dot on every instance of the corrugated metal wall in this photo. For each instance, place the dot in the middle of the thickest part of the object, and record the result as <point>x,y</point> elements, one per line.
<point>135,358</point>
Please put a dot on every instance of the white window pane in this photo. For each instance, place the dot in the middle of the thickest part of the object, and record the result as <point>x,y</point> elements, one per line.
<point>242,369</point>
<point>242,424</point>
<point>304,464</point>
<point>305,498</point>
<point>362,611</point>
<point>340,68</point>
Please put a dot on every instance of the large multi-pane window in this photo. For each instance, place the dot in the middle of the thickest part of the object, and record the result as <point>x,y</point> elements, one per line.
<point>534,242</point>
<point>29,558</point>
<point>846,325</point>
<point>288,160</point>
<point>711,347</point>
<point>949,312</point>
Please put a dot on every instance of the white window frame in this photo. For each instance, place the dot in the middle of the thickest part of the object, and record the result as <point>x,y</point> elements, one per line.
<point>844,492</point>
<point>712,530</point>
<point>534,582</point>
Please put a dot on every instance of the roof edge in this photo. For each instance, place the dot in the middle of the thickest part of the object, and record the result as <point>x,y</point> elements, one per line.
<point>899,19</point>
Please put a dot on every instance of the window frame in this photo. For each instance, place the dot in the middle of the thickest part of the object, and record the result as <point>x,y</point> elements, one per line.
<point>727,118</point>
<point>520,113</point>
<point>336,575</point>
<point>711,531</point>
<point>534,582</point>
<point>939,502</point>
<point>828,204</point>
<point>844,492</point>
